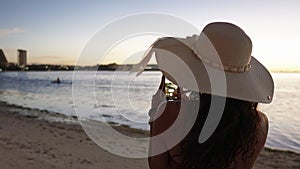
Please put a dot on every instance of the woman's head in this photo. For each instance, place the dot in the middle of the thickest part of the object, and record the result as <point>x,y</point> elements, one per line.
<point>234,135</point>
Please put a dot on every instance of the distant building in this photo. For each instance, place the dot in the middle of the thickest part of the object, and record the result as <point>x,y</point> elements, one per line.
<point>3,61</point>
<point>22,57</point>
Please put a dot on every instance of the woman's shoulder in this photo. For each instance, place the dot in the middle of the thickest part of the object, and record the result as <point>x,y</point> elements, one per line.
<point>263,116</point>
<point>263,122</point>
<point>262,132</point>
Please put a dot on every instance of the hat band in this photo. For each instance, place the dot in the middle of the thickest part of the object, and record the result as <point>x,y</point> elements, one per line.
<point>238,69</point>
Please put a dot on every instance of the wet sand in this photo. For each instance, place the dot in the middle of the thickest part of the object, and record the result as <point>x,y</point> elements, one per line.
<point>29,143</point>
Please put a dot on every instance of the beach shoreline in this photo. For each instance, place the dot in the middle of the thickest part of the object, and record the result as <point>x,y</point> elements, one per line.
<point>28,141</point>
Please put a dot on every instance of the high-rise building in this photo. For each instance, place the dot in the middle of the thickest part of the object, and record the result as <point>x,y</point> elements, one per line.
<point>3,61</point>
<point>22,57</point>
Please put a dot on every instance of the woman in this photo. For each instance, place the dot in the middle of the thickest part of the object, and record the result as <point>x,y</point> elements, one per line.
<point>236,143</point>
<point>216,65</point>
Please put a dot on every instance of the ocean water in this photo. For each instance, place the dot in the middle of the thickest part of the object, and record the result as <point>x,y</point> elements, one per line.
<point>121,98</point>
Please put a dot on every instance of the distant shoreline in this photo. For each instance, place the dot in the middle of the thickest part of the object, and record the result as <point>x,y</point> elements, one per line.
<point>99,67</point>
<point>48,67</point>
<point>154,70</point>
<point>281,71</point>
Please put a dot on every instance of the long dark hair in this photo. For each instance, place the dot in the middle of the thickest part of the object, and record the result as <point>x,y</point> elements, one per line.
<point>235,134</point>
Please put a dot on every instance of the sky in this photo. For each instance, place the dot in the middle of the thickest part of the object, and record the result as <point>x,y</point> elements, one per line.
<point>56,31</point>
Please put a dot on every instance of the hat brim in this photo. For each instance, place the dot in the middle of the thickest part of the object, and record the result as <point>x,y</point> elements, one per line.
<point>181,66</point>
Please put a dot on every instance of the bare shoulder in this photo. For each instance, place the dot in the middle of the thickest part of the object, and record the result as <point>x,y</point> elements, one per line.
<point>262,132</point>
<point>264,123</point>
<point>263,116</point>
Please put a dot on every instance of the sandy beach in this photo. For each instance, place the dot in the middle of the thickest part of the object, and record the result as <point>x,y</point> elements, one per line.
<point>30,143</point>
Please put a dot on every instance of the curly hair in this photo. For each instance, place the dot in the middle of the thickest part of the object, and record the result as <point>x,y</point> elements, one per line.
<point>235,134</point>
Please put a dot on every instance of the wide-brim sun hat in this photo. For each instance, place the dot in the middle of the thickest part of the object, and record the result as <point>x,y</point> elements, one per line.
<point>218,62</point>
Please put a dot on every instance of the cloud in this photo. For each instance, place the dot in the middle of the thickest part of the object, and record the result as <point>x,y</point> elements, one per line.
<point>5,32</point>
